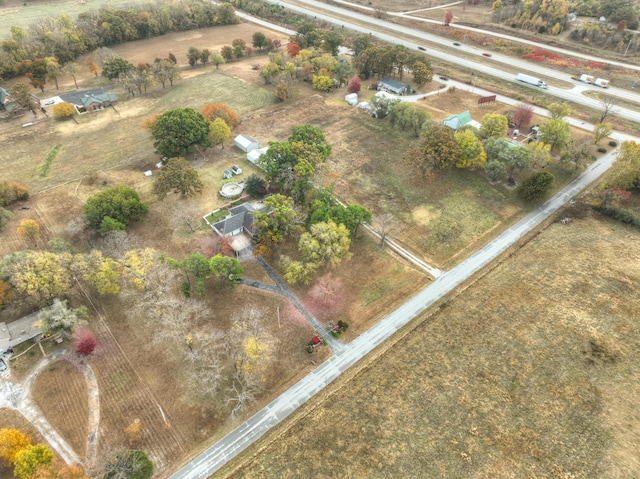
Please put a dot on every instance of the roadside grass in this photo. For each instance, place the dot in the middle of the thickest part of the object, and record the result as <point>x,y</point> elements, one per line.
<point>60,392</point>
<point>530,372</point>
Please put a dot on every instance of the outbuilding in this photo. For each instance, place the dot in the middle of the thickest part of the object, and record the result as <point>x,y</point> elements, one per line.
<point>253,155</point>
<point>245,143</point>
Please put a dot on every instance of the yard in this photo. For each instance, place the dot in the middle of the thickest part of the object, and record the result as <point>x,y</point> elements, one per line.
<point>532,372</point>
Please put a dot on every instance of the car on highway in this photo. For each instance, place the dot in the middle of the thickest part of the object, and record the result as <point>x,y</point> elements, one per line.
<point>421,48</point>
<point>487,55</point>
<point>236,170</point>
<point>456,44</point>
<point>443,78</point>
<point>226,175</point>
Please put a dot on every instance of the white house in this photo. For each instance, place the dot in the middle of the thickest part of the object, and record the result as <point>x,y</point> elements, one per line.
<point>394,86</point>
<point>253,155</point>
<point>245,143</point>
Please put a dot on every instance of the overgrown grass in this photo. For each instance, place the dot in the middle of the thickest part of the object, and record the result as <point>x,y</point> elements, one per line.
<point>46,166</point>
<point>528,373</point>
<point>216,87</point>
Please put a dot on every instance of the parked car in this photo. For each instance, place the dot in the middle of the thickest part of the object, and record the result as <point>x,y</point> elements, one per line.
<point>226,175</point>
<point>456,44</point>
<point>443,78</point>
<point>487,55</point>
<point>3,365</point>
<point>421,48</point>
<point>49,102</point>
<point>236,170</point>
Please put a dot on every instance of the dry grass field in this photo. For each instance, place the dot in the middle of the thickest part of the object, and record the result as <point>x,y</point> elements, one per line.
<point>60,392</point>
<point>531,372</point>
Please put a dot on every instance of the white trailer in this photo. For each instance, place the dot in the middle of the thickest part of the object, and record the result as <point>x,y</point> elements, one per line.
<point>531,80</point>
<point>584,78</point>
<point>601,83</point>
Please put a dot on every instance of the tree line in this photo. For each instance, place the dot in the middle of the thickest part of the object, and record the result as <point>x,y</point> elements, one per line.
<point>62,40</point>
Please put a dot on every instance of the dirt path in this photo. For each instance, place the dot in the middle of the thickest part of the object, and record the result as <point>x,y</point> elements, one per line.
<point>16,395</point>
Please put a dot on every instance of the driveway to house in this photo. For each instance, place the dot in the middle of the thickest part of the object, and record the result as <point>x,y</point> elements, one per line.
<point>248,432</point>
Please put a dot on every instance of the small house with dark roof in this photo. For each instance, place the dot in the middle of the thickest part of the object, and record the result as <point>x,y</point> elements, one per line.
<point>394,86</point>
<point>10,108</point>
<point>239,220</point>
<point>96,102</point>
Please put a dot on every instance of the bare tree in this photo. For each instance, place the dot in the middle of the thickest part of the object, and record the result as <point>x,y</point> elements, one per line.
<point>607,108</point>
<point>186,215</point>
<point>205,357</point>
<point>116,243</point>
<point>243,391</point>
<point>385,223</point>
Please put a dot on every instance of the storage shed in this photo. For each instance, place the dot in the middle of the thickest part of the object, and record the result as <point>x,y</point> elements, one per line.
<point>253,155</point>
<point>245,143</point>
<point>351,99</point>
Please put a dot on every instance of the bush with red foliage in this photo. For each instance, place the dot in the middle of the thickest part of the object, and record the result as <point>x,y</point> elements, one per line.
<point>84,341</point>
<point>354,84</point>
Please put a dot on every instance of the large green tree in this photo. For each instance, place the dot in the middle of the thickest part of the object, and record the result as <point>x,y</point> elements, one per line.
<point>176,175</point>
<point>130,464</point>
<point>494,125</point>
<point>311,134</point>
<point>625,172</point>
<point>115,67</point>
<point>113,209</point>
<point>279,222</point>
<point>177,132</point>
<point>439,149</point>
<point>536,186</point>
<point>555,132</point>
<point>225,271</point>
<point>473,155</point>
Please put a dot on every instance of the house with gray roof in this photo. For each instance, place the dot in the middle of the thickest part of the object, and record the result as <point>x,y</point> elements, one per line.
<point>19,331</point>
<point>239,220</point>
<point>90,100</point>
<point>394,86</point>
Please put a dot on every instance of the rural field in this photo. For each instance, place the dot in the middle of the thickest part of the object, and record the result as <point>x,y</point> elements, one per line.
<point>143,378</point>
<point>531,372</point>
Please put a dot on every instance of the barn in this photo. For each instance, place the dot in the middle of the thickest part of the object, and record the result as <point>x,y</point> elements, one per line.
<point>245,143</point>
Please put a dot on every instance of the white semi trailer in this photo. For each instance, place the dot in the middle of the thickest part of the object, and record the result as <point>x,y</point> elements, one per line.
<point>531,80</point>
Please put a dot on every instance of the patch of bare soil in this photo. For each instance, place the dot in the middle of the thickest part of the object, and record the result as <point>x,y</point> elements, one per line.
<point>531,372</point>
<point>60,392</point>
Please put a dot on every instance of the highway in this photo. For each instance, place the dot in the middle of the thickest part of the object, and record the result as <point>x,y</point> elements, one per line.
<point>340,16</point>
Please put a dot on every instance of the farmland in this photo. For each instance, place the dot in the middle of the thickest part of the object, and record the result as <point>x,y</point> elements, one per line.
<point>532,372</point>
<point>140,365</point>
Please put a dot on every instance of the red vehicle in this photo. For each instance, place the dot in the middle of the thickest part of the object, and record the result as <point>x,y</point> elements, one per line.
<point>486,55</point>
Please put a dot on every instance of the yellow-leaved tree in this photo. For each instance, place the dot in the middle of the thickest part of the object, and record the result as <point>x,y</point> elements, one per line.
<point>12,441</point>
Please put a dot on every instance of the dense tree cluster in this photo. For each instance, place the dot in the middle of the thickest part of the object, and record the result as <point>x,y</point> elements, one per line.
<point>62,40</point>
<point>542,16</point>
<point>373,61</point>
<point>113,209</point>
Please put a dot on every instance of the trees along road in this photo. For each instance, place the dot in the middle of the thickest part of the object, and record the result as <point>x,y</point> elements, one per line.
<point>340,16</point>
<point>216,456</point>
